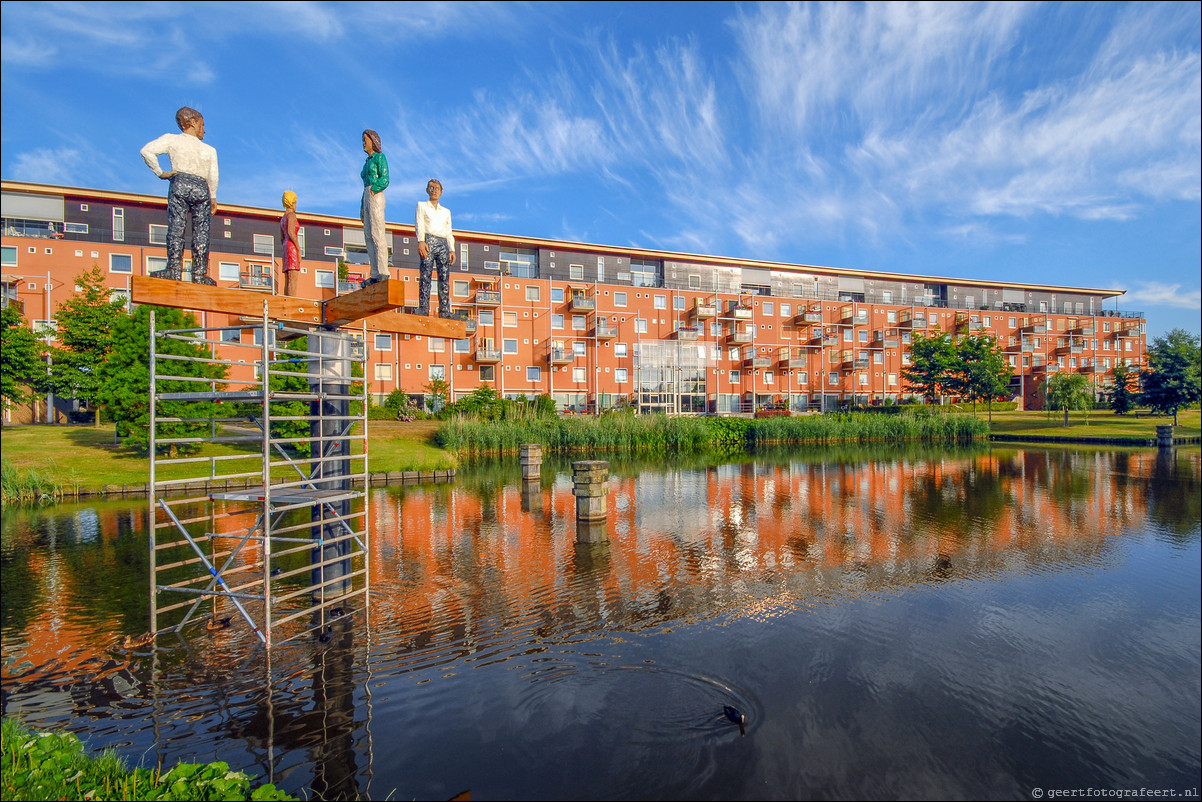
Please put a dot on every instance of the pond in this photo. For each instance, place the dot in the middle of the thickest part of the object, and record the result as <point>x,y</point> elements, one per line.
<point>893,623</point>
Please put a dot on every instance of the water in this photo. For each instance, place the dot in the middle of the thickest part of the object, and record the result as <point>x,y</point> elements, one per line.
<point>893,623</point>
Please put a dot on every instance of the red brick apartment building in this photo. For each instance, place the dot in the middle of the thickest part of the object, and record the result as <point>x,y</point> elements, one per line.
<point>594,326</point>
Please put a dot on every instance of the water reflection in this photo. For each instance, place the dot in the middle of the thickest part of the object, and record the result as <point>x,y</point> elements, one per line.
<point>500,647</point>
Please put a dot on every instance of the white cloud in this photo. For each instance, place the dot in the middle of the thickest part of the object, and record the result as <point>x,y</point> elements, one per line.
<point>49,166</point>
<point>1153,293</point>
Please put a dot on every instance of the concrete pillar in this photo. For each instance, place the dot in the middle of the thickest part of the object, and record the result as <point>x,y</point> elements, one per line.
<point>1164,436</point>
<point>590,486</point>
<point>531,458</point>
<point>532,496</point>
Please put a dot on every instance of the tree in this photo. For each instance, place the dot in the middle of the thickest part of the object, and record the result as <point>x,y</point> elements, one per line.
<point>125,378</point>
<point>85,335</point>
<point>20,367</point>
<point>1172,379</point>
<point>438,392</point>
<point>932,360</point>
<point>1068,391</point>
<point>981,370</point>
<point>1123,398</point>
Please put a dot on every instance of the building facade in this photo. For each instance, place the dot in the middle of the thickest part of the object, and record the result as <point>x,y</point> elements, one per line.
<point>593,326</point>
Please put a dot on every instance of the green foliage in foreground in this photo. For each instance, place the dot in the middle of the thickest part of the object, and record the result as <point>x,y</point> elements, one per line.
<point>659,433</point>
<point>54,766</point>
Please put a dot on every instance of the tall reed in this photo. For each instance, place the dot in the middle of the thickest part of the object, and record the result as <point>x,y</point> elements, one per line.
<point>660,433</point>
<point>27,486</point>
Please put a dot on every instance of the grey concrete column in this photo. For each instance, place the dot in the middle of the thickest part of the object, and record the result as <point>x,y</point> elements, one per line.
<point>590,486</point>
<point>1164,436</point>
<point>531,458</point>
<point>532,496</point>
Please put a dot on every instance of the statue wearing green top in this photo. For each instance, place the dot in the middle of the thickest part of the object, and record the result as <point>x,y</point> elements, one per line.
<point>375,181</point>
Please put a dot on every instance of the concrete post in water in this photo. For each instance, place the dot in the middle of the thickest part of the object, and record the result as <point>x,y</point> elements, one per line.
<point>590,486</point>
<point>531,458</point>
<point>532,496</point>
<point>1164,436</point>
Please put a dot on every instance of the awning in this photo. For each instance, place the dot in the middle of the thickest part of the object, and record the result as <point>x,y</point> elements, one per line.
<point>485,279</point>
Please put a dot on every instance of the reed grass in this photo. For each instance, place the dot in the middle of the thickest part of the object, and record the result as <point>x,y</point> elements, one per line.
<point>660,433</point>
<point>28,486</point>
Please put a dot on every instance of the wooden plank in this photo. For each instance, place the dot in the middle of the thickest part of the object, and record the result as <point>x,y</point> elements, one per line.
<point>186,295</point>
<point>416,324</point>
<point>379,297</point>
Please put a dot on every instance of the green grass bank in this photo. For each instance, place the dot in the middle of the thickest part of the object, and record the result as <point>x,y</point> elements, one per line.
<point>45,765</point>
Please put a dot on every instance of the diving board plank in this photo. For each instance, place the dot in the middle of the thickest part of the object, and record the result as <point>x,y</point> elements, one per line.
<point>416,324</point>
<point>379,297</point>
<point>186,295</point>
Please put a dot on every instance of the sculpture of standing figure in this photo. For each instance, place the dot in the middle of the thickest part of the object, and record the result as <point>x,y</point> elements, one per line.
<point>375,181</point>
<point>289,232</point>
<point>436,244</point>
<point>193,191</point>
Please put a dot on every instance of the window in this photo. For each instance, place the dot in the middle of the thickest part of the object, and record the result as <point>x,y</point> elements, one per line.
<point>803,377</point>
<point>736,377</point>
<point>640,325</point>
<point>383,372</point>
<point>891,316</point>
<point>578,374</point>
<point>437,345</point>
<point>619,349</point>
<point>532,293</point>
<point>786,310</point>
<point>118,225</point>
<point>557,295</point>
<point>557,321</point>
<point>578,348</point>
<point>619,299</point>
<point>644,274</point>
<point>886,297</point>
<point>509,346</point>
<point>324,278</point>
<point>678,303</point>
<point>769,309</point>
<point>661,302</point>
<point>862,379</point>
<point>694,282</point>
<point>462,346</point>
<point>600,268</point>
<point>847,335</point>
<point>833,378</point>
<point>534,374</point>
<point>264,244</point>
<point>226,271</point>
<point>231,335</point>
<point>158,234</point>
<point>769,377</point>
<point>579,322</point>
<point>485,317</point>
<point>383,342</point>
<point>10,256</point>
<point>576,272</point>
<point>121,263</point>
<point>155,264</point>
<point>620,375</point>
<point>462,255</point>
<point>331,250</point>
<point>488,373</point>
<point>878,358</point>
<point>438,373</point>
<point>863,335</point>
<point>459,289</point>
<point>300,239</point>
<point>509,319</point>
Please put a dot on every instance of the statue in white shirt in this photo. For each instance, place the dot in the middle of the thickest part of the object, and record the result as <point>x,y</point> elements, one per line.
<point>193,191</point>
<point>436,245</point>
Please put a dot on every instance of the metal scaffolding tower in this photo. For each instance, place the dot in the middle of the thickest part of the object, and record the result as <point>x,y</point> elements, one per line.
<point>270,527</point>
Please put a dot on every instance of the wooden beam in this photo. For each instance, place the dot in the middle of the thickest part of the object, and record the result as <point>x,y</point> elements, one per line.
<point>416,324</point>
<point>379,297</point>
<point>185,295</point>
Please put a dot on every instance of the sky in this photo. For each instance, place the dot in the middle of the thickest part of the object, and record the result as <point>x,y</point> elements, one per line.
<point>1044,143</point>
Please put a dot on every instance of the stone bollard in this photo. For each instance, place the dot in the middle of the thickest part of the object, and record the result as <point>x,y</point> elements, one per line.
<point>590,485</point>
<point>592,532</point>
<point>532,461</point>
<point>1164,436</point>
<point>532,496</point>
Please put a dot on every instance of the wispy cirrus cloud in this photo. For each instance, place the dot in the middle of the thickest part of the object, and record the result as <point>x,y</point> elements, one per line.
<point>1152,293</point>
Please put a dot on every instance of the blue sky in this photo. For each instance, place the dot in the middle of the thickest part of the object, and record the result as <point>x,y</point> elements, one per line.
<point>1051,143</point>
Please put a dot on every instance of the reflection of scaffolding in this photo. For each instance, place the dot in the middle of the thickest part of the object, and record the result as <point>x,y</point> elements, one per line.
<point>275,524</point>
<point>670,376</point>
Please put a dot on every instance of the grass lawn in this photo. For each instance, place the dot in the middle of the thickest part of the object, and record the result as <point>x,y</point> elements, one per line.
<point>1101,423</point>
<point>87,457</point>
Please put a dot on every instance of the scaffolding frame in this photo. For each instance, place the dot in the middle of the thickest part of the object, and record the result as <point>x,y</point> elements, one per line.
<point>202,550</point>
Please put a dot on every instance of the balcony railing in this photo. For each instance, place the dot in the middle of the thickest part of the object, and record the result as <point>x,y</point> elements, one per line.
<point>488,297</point>
<point>1129,332</point>
<point>791,358</point>
<point>583,303</point>
<point>560,356</point>
<point>250,281</point>
<point>486,354</point>
<point>740,337</point>
<point>688,333</point>
<point>757,362</point>
<point>739,313</point>
<point>704,311</point>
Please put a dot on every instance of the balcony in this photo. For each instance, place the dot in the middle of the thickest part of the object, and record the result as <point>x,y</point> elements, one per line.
<point>914,321</point>
<point>488,297</point>
<point>807,318</point>
<point>1084,331</point>
<point>737,337</point>
<point>583,303</point>
<point>703,311</point>
<point>687,333</point>
<point>469,325</point>
<point>846,312</point>
<point>252,281</point>
<point>845,356</point>
<point>1128,332</point>
<point>1093,369</point>
<point>791,358</point>
<point>1033,327</point>
<point>560,356</point>
<point>757,362</point>
<point>892,342</point>
<point>605,331</point>
<point>830,341</point>
<point>1028,347</point>
<point>487,354</point>
<point>739,312</point>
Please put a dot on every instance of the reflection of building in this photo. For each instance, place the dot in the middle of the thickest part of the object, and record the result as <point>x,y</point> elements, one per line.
<point>577,320</point>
